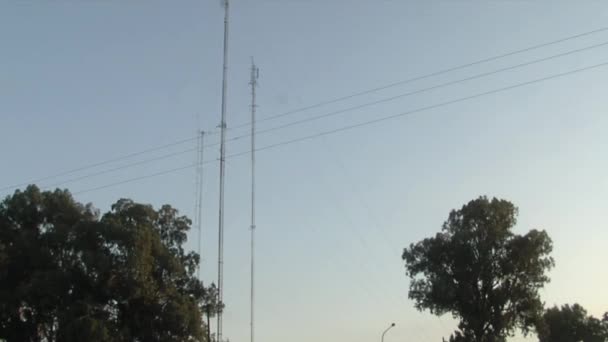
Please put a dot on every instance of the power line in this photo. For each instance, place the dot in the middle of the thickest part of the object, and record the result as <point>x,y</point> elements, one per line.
<point>108,161</point>
<point>137,179</point>
<point>422,77</point>
<point>365,123</point>
<point>319,104</point>
<point>442,104</point>
<point>420,91</point>
<point>318,117</point>
<point>141,162</point>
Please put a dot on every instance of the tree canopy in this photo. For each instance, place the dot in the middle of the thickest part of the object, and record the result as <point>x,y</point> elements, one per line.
<point>481,272</point>
<point>68,273</point>
<point>570,323</point>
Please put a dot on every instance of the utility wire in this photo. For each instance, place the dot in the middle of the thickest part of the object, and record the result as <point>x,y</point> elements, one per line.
<point>442,104</point>
<point>333,113</point>
<point>141,162</point>
<point>140,178</point>
<point>422,77</point>
<point>108,161</point>
<point>419,91</point>
<point>416,92</point>
<point>362,124</point>
<point>319,104</point>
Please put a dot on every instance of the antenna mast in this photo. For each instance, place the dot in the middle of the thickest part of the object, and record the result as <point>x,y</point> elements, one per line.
<point>198,207</point>
<point>254,77</point>
<point>220,251</point>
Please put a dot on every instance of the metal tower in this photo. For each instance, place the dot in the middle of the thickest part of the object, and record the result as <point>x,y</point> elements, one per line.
<point>254,77</point>
<point>220,252</point>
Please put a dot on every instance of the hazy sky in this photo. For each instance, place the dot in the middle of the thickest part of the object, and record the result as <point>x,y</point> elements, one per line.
<point>83,81</point>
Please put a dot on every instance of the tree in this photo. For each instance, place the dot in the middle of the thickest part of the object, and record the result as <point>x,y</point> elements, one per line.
<point>68,273</point>
<point>571,324</point>
<point>211,307</point>
<point>482,273</point>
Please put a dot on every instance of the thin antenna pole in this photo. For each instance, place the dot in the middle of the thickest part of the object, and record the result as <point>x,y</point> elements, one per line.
<point>196,192</point>
<point>199,211</point>
<point>220,251</point>
<point>253,83</point>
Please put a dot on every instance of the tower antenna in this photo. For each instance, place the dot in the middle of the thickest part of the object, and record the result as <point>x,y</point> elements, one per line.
<point>220,250</point>
<point>254,81</point>
<point>198,207</point>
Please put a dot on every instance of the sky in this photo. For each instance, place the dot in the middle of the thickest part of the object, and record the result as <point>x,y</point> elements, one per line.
<point>87,81</point>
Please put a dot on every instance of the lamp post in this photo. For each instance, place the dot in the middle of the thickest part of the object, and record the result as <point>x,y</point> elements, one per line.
<point>385,331</point>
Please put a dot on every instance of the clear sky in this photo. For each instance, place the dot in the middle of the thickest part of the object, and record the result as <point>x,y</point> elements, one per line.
<point>82,81</point>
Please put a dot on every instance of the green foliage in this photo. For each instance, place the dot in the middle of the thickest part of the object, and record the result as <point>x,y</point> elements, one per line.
<point>69,274</point>
<point>211,307</point>
<point>571,324</point>
<point>482,273</point>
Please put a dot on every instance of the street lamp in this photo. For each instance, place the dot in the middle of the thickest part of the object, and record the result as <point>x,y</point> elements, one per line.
<point>385,331</point>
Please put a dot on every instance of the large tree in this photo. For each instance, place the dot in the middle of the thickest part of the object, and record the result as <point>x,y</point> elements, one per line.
<point>68,273</point>
<point>482,273</point>
<point>570,323</point>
